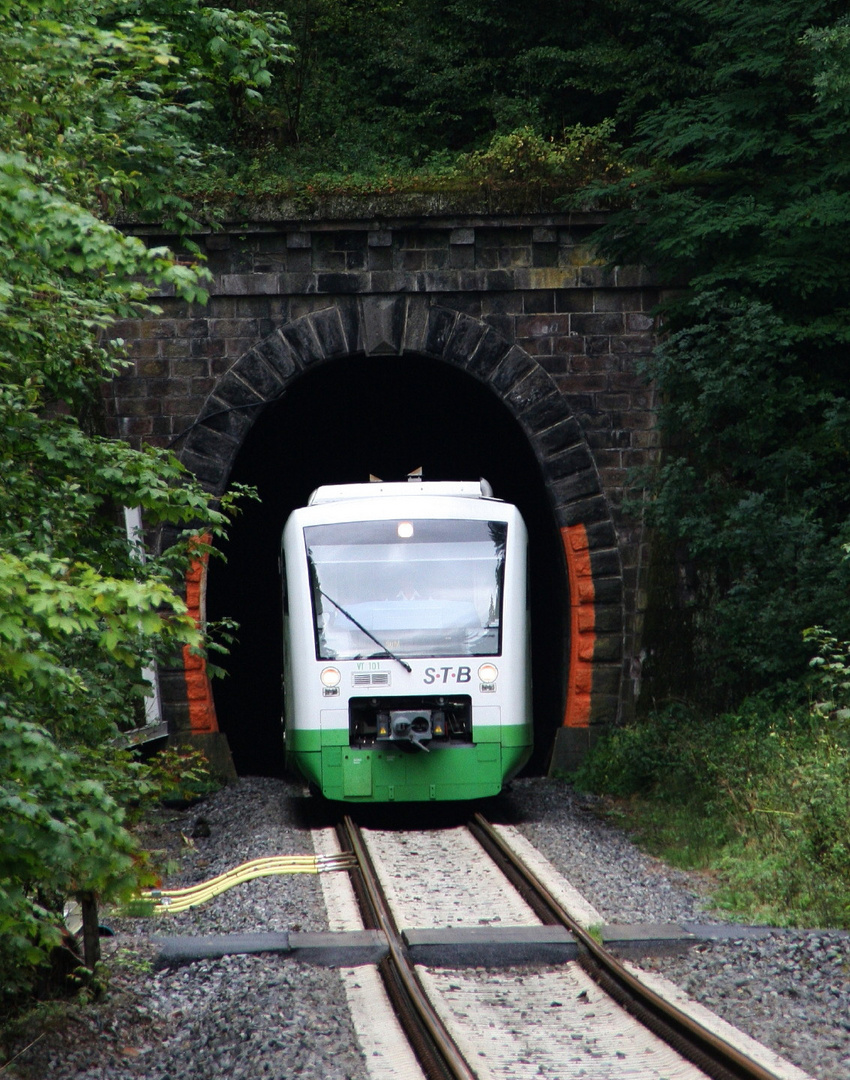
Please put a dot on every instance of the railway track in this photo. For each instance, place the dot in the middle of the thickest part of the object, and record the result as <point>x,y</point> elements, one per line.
<point>594,1017</point>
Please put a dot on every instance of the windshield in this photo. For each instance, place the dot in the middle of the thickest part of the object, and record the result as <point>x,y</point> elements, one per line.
<point>417,588</point>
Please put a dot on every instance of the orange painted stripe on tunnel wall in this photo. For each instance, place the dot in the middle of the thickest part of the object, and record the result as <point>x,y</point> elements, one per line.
<point>198,690</point>
<point>582,626</point>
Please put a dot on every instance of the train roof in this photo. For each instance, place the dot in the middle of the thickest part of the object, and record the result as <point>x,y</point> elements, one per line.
<point>467,489</point>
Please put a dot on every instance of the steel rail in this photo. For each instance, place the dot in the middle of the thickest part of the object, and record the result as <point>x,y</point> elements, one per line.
<point>437,1051</point>
<point>705,1049</point>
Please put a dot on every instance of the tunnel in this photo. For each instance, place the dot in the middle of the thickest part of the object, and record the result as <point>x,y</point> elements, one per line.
<point>340,423</point>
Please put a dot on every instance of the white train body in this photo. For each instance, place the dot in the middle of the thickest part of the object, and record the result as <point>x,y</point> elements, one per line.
<point>406,656</point>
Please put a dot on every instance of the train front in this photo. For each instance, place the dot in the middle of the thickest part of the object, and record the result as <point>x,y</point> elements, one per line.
<point>406,646</point>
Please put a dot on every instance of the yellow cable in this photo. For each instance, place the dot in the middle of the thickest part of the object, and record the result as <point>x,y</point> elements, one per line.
<point>175,900</point>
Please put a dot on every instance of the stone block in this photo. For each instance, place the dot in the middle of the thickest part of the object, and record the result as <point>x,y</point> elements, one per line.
<point>411,261</point>
<point>462,236</point>
<point>582,512</point>
<point>506,303</point>
<point>292,284</point>
<point>208,470</point>
<point>462,258</point>
<point>617,300</point>
<point>636,320</point>
<point>277,353</point>
<point>331,262</point>
<point>328,330</point>
<point>440,325</point>
<point>573,460</point>
<point>387,281</point>
<point>342,284</point>
<point>302,341</point>
<point>608,618</point>
<point>595,277</point>
<point>562,435</point>
<point>544,255</point>
<point>537,386</point>
<point>464,341</point>
<point>569,300</point>
<point>541,302</point>
<point>631,276</point>
<point>604,711</point>
<point>530,326</point>
<point>466,303</point>
<point>210,443</point>
<point>379,238</point>
<point>546,413</point>
<point>437,260</point>
<point>502,324</point>
<point>220,416</point>
<point>608,591</point>
<point>233,391</point>
<point>249,284</point>
<point>440,281</point>
<point>577,485</point>
<point>541,348</point>
<point>299,240</point>
<point>258,375</point>
<point>569,749</point>
<point>593,323</point>
<point>298,261</point>
<point>605,563</point>
<point>380,259</point>
<point>544,234</point>
<point>416,323</point>
<point>601,535</point>
<point>515,366</point>
<point>492,348</point>
<point>382,325</point>
<point>491,280</point>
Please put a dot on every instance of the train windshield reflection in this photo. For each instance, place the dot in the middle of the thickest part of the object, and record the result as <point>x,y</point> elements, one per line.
<point>423,588</point>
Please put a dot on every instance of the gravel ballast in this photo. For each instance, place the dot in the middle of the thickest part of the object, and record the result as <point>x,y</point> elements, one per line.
<point>269,1016</point>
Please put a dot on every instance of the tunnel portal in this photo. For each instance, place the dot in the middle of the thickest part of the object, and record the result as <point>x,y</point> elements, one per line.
<point>339,424</point>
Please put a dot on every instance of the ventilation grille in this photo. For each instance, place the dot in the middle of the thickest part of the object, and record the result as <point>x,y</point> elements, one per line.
<point>371,678</point>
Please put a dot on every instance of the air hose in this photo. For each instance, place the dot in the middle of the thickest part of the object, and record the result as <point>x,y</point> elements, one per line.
<point>174,900</point>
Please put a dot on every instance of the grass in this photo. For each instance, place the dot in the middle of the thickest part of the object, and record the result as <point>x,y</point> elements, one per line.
<point>759,797</point>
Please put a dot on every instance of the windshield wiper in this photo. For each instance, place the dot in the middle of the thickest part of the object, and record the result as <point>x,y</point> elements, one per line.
<point>368,634</point>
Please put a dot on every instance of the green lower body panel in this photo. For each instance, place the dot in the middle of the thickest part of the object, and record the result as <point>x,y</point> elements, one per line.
<point>403,773</point>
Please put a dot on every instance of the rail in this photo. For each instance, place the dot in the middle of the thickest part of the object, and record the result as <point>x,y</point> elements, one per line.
<point>708,1051</point>
<point>439,1055</point>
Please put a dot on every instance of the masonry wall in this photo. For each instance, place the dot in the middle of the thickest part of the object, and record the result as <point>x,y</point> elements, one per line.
<point>534,280</point>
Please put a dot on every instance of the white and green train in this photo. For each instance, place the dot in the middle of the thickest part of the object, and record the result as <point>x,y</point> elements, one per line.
<point>406,645</point>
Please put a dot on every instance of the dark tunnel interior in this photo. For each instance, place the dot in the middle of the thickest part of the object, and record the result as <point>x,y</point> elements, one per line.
<point>338,424</point>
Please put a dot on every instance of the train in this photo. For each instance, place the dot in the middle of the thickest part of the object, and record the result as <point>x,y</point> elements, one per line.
<point>406,665</point>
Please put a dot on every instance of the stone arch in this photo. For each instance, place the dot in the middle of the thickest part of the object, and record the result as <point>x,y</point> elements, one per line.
<point>412,324</point>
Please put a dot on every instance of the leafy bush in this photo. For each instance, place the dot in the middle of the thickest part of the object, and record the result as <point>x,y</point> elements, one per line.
<point>91,119</point>
<point>524,156</point>
<point>760,795</point>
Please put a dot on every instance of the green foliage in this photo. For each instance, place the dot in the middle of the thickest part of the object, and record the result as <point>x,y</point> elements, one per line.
<point>180,775</point>
<point>760,795</point>
<point>93,117</point>
<point>378,86</point>
<point>525,157</point>
<point>832,667</point>
<point>738,194</point>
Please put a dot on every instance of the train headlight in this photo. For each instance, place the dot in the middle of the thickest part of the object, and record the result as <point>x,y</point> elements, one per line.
<point>405,529</point>
<point>330,676</point>
<point>488,673</point>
